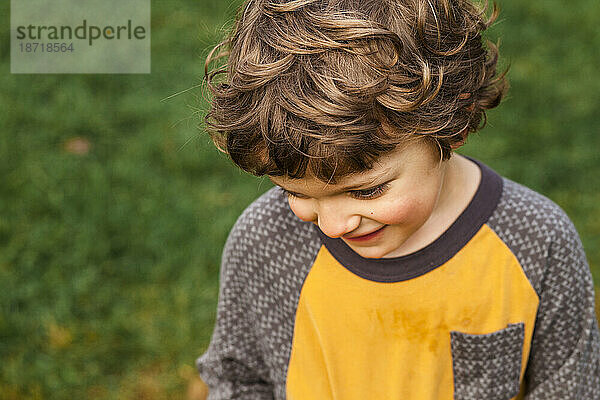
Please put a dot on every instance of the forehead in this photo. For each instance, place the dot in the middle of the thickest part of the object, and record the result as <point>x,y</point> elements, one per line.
<point>383,168</point>
<point>404,159</point>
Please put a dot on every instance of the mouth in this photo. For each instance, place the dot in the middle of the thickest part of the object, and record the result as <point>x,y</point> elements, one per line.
<point>368,236</point>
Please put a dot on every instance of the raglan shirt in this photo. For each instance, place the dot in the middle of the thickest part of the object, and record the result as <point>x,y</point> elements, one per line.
<point>500,306</point>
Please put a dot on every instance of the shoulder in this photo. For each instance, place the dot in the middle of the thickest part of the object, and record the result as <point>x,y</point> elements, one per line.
<point>269,210</point>
<point>522,209</point>
<point>268,236</point>
<point>269,219</point>
<point>538,232</point>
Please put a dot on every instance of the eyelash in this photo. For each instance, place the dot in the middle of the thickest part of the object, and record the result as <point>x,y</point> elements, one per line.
<point>362,194</point>
<point>291,194</point>
<point>371,193</point>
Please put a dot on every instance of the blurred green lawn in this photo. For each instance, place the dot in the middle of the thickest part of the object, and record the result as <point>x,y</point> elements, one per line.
<point>109,258</point>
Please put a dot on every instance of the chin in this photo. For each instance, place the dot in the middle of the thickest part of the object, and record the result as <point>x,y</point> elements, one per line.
<point>370,252</point>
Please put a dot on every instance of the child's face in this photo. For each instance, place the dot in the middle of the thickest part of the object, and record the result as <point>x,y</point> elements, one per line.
<point>378,212</point>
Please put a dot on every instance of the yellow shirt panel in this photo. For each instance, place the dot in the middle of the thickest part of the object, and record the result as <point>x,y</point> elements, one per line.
<point>359,339</point>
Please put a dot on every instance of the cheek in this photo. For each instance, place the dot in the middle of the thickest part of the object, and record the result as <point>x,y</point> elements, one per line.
<point>413,203</point>
<point>408,211</point>
<point>302,209</point>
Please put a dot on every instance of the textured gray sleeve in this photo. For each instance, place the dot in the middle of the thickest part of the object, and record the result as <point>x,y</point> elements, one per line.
<point>564,360</point>
<point>232,366</point>
<point>266,258</point>
<point>565,354</point>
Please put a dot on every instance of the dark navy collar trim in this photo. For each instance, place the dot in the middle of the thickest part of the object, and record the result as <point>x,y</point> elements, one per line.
<point>435,254</point>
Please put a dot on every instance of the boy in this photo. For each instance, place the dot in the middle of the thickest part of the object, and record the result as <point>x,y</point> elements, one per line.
<point>384,266</point>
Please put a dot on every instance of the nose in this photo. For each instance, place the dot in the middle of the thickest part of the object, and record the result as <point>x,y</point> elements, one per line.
<point>336,222</point>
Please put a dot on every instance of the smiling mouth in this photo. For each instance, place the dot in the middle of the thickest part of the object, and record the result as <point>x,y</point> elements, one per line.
<point>368,236</point>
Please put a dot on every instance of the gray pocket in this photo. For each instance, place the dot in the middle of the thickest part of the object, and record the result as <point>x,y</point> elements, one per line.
<point>487,366</point>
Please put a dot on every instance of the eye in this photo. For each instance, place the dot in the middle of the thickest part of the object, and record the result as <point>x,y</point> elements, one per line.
<point>293,194</point>
<point>371,193</point>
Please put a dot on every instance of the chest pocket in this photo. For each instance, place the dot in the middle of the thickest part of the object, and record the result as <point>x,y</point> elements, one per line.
<point>487,366</point>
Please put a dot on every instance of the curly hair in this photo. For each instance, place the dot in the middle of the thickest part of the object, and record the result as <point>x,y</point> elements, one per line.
<point>308,86</point>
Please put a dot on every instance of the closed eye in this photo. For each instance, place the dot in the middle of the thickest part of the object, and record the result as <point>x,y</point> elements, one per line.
<point>361,194</point>
<point>293,194</point>
<point>370,193</point>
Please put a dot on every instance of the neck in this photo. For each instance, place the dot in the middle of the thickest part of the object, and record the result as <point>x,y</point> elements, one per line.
<point>461,179</point>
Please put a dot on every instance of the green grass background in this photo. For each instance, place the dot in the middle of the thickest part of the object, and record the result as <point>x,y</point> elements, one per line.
<point>109,260</point>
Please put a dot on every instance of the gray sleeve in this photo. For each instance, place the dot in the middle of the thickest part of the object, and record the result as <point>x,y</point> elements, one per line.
<point>232,366</point>
<point>564,361</point>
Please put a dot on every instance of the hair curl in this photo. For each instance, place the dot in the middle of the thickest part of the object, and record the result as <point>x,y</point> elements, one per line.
<point>309,86</point>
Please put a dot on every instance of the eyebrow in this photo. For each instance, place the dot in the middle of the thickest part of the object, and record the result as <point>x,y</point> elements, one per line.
<point>368,182</point>
<point>364,185</point>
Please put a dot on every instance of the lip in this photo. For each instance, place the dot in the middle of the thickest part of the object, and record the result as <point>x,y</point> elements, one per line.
<point>366,237</point>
